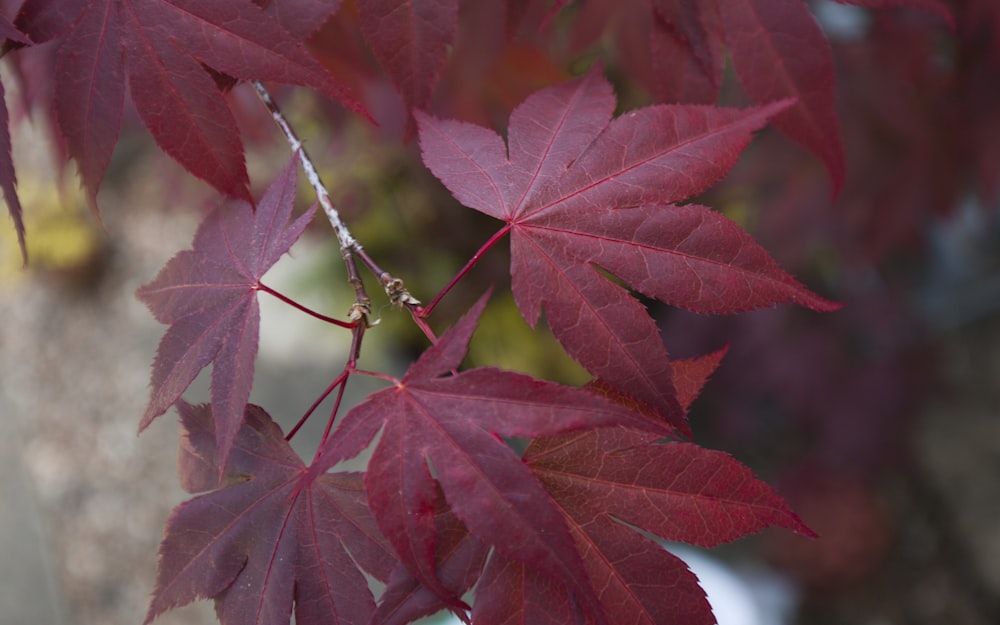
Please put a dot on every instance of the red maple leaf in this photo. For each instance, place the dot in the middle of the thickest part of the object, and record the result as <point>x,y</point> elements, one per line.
<point>273,533</point>
<point>778,50</point>
<point>459,561</point>
<point>8,180</point>
<point>450,424</point>
<point>301,18</point>
<point>208,295</point>
<point>582,194</point>
<point>687,54</point>
<point>606,484</point>
<point>410,38</point>
<point>161,47</point>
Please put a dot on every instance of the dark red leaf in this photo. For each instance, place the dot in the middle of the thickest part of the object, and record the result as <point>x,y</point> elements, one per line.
<point>163,46</point>
<point>208,295</point>
<point>450,424</point>
<point>779,51</point>
<point>460,557</point>
<point>90,96</point>
<point>9,31</point>
<point>690,375</point>
<point>606,481</point>
<point>582,193</point>
<point>273,535</point>
<point>410,38</point>
<point>8,180</point>
<point>677,491</point>
<point>640,582</point>
<point>514,592</point>
<point>686,51</point>
<point>45,20</point>
<point>301,18</point>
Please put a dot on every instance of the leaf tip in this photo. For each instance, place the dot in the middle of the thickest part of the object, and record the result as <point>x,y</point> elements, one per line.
<point>820,304</point>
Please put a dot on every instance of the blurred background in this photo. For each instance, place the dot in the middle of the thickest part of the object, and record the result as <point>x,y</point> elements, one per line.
<point>880,423</point>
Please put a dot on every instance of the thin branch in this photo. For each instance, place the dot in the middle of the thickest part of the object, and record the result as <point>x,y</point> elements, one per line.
<point>347,241</point>
<point>394,288</point>
<point>362,307</point>
<point>349,246</point>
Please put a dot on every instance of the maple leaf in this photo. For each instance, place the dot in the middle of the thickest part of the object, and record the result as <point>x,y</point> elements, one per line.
<point>607,484</point>
<point>687,53</point>
<point>451,424</point>
<point>777,49</point>
<point>691,374</point>
<point>301,18</point>
<point>410,38</point>
<point>273,533</point>
<point>163,46</point>
<point>8,179</point>
<point>208,295</point>
<point>582,194</point>
<point>459,560</point>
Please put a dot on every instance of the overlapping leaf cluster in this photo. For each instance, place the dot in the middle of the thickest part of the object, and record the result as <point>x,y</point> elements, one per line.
<point>457,507</point>
<point>595,210</point>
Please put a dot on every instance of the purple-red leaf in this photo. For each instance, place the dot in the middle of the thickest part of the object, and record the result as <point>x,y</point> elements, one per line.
<point>275,534</point>
<point>90,96</point>
<point>208,295</point>
<point>779,51</point>
<point>514,592</point>
<point>161,46</point>
<point>639,582</point>
<point>606,481</point>
<point>677,491</point>
<point>411,38</point>
<point>460,559</point>
<point>8,179</point>
<point>451,425</point>
<point>686,51</point>
<point>45,20</point>
<point>690,375</point>
<point>9,31</point>
<point>301,18</point>
<point>583,193</point>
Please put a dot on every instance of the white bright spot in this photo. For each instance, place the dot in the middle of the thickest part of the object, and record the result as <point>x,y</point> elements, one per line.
<point>841,21</point>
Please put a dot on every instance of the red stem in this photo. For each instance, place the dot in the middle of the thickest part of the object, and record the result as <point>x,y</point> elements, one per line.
<point>426,329</point>
<point>343,324</point>
<point>333,416</point>
<point>357,334</point>
<point>341,380</point>
<point>425,311</point>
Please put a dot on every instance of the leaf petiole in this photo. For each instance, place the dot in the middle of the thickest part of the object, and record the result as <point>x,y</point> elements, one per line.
<point>341,381</point>
<point>337,322</point>
<point>425,311</point>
